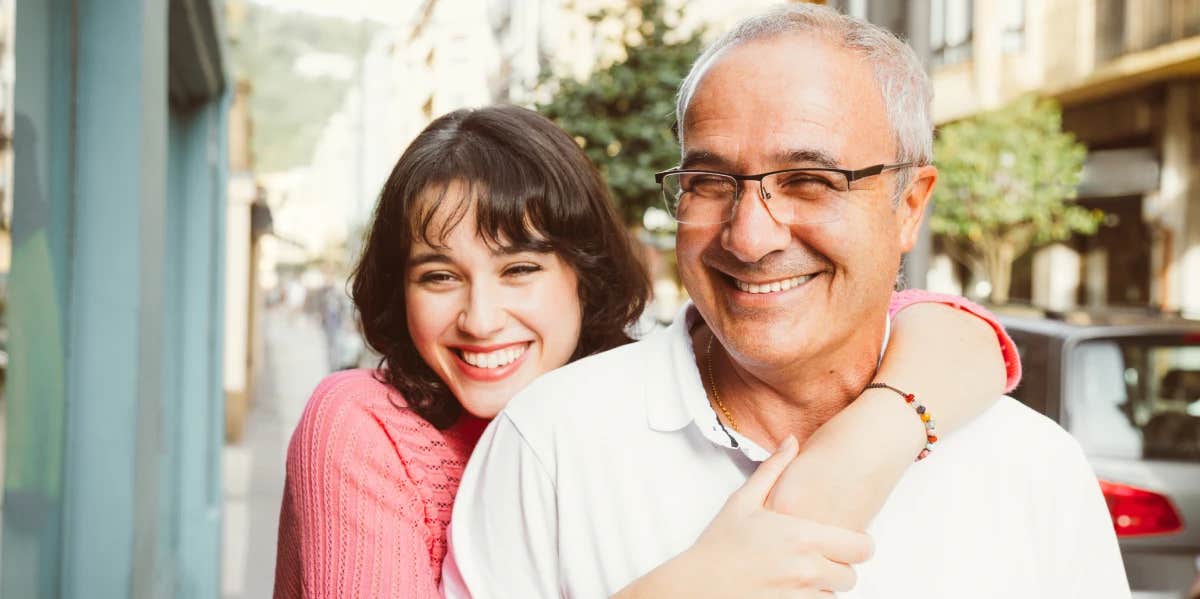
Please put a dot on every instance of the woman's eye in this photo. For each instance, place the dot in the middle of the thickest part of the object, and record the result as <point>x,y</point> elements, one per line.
<point>435,277</point>
<point>521,269</point>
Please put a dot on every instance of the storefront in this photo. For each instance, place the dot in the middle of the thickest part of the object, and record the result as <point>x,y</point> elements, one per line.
<point>115,410</point>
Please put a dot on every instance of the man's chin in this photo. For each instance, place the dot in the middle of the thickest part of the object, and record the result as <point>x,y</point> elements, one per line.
<point>770,341</point>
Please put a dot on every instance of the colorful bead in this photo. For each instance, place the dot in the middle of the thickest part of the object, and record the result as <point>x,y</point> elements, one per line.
<point>922,412</point>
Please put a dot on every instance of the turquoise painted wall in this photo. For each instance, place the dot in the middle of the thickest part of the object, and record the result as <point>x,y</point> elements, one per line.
<point>115,415</point>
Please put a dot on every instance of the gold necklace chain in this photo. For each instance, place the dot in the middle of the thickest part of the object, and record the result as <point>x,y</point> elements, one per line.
<point>712,382</point>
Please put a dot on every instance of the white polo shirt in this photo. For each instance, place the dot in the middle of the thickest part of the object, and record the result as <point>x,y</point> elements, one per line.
<point>608,467</point>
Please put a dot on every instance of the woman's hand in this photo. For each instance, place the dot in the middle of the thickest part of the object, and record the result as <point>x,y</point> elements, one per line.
<point>750,551</point>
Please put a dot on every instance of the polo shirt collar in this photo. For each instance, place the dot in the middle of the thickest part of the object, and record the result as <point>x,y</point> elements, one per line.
<point>677,397</point>
<point>666,409</point>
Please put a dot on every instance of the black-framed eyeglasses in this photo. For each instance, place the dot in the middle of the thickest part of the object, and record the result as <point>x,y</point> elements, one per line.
<point>794,196</point>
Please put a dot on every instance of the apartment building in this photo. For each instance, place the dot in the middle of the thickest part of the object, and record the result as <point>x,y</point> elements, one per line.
<point>1126,73</point>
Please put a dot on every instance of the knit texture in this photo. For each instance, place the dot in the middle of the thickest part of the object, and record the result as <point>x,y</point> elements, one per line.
<point>370,485</point>
<point>1008,349</point>
<point>368,494</point>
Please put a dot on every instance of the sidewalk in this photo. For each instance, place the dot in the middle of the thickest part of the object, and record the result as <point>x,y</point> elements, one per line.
<point>293,363</point>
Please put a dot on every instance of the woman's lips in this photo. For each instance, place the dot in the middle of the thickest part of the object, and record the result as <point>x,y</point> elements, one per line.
<point>490,364</point>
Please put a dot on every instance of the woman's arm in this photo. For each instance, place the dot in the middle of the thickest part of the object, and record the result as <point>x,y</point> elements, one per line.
<point>951,359</point>
<point>950,353</point>
<point>351,524</point>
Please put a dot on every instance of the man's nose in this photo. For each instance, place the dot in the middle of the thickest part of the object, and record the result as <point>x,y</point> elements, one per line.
<point>484,315</point>
<point>752,232</point>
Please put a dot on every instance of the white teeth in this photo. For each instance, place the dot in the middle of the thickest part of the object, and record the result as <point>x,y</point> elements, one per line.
<point>495,359</point>
<point>773,286</point>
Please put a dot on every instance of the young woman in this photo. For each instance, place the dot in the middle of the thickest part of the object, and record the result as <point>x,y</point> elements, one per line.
<point>494,257</point>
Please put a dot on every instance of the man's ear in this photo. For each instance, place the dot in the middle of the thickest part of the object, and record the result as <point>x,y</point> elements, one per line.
<point>911,209</point>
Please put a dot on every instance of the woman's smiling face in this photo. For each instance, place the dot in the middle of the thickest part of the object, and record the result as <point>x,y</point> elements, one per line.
<point>487,319</point>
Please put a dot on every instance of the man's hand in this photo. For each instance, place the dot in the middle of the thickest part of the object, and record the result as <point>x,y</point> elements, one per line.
<point>750,551</point>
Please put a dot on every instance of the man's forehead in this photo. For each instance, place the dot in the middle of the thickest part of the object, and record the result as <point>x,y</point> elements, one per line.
<point>772,150</point>
<point>796,91</point>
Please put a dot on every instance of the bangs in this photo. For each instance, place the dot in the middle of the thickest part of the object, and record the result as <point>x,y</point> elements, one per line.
<point>511,200</point>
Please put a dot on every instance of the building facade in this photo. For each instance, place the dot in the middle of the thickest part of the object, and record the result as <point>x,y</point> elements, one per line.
<point>114,405</point>
<point>1126,73</point>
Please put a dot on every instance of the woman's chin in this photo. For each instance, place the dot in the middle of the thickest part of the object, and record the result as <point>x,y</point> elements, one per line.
<point>485,402</point>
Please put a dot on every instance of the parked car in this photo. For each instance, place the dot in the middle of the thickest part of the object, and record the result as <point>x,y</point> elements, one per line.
<point>1126,384</point>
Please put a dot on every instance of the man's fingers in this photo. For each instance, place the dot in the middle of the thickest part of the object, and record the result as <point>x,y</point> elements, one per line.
<point>754,491</point>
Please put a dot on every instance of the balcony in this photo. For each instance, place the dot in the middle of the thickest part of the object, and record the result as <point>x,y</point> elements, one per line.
<point>1128,26</point>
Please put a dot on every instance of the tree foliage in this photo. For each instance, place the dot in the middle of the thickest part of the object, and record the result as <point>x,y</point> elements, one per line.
<point>1007,183</point>
<point>623,116</point>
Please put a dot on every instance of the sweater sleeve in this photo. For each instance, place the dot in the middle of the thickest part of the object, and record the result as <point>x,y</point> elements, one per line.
<point>1012,360</point>
<point>352,522</point>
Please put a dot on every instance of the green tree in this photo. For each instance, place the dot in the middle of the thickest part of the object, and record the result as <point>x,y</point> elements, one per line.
<point>623,116</point>
<point>1007,184</point>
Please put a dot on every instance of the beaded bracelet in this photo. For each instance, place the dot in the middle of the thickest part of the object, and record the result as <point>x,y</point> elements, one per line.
<point>926,417</point>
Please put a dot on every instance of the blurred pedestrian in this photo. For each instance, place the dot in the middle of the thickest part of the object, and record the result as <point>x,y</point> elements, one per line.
<point>333,311</point>
<point>295,296</point>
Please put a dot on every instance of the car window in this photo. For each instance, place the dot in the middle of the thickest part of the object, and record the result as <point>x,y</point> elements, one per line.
<point>1034,363</point>
<point>1137,397</point>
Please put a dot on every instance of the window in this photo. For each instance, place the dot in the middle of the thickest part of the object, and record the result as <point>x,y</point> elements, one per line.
<point>1034,364</point>
<point>1137,397</point>
<point>950,31</point>
<point>1012,16</point>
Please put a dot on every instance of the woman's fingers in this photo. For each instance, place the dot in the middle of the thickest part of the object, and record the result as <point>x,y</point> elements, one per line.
<point>753,493</point>
<point>814,573</point>
<point>837,577</point>
<point>840,544</point>
<point>834,543</point>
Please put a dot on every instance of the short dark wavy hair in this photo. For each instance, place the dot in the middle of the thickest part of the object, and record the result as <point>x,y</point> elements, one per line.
<point>531,186</point>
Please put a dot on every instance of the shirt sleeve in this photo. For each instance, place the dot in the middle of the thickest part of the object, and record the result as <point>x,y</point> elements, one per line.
<point>504,531</point>
<point>352,522</point>
<point>1012,360</point>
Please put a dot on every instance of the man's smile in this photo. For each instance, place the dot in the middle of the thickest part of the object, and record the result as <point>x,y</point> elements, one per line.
<point>775,286</point>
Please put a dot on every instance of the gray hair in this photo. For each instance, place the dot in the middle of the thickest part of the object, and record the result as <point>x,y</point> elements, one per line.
<point>907,93</point>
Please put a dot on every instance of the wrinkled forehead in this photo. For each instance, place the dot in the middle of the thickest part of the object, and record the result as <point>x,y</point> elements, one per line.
<point>771,98</point>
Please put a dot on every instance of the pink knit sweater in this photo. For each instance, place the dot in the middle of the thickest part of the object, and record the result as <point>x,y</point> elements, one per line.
<point>370,485</point>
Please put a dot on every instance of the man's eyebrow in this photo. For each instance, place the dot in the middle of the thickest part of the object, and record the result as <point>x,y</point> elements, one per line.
<point>807,157</point>
<point>704,158</point>
<point>788,158</point>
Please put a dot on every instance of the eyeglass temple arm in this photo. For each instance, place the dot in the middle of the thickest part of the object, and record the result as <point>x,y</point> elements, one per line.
<point>871,171</point>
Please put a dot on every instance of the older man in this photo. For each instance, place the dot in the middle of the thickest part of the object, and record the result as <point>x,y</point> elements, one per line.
<point>806,170</point>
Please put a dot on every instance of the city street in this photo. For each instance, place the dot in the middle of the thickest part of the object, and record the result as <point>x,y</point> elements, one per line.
<point>293,362</point>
